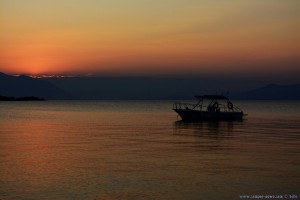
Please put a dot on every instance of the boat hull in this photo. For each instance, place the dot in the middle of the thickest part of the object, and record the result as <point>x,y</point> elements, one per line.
<point>196,115</point>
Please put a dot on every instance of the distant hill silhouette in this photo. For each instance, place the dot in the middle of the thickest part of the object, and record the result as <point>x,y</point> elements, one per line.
<point>25,86</point>
<point>4,98</point>
<point>139,88</point>
<point>272,91</point>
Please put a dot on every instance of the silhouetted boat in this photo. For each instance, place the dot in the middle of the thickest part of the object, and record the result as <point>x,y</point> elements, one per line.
<point>208,107</point>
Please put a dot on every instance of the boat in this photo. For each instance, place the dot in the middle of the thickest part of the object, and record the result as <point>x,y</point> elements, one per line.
<point>208,107</point>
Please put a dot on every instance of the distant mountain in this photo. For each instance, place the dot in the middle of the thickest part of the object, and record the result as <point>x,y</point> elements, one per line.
<point>169,88</point>
<point>139,88</point>
<point>25,86</point>
<point>272,91</point>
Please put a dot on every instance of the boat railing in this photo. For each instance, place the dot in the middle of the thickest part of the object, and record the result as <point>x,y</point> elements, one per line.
<point>187,106</point>
<point>200,107</point>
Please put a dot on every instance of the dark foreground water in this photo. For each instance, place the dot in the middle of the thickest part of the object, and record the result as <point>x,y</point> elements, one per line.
<point>138,150</point>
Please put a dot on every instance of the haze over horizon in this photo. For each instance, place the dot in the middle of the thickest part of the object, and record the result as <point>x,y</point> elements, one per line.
<point>151,38</point>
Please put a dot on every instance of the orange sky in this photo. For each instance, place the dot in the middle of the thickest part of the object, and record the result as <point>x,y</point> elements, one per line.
<point>143,37</point>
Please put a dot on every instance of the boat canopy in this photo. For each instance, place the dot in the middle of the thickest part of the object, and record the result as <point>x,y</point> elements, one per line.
<point>212,97</point>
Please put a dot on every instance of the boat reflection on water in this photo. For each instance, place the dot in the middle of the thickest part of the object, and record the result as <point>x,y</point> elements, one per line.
<point>210,129</point>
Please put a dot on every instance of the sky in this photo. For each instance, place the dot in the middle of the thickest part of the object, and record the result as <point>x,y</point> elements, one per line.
<point>150,37</point>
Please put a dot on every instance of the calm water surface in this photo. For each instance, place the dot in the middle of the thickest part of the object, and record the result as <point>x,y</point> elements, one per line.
<point>139,150</point>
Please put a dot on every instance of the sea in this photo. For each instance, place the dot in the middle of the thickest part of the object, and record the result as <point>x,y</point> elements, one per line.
<point>110,150</point>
